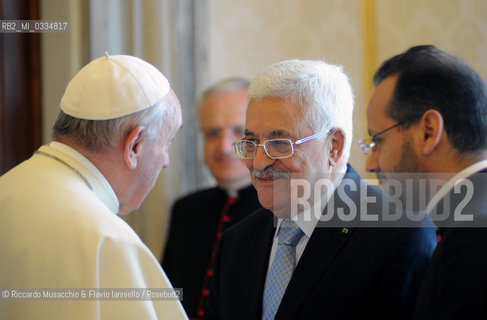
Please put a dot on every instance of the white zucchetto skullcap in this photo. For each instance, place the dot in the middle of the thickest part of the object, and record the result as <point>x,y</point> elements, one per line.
<point>113,86</point>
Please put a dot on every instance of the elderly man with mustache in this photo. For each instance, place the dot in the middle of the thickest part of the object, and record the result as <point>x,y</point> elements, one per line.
<point>280,262</point>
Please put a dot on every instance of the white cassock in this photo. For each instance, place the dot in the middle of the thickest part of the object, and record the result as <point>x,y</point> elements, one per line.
<point>55,232</point>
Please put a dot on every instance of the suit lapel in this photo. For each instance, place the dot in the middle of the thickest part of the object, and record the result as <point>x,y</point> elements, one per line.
<point>322,248</point>
<point>455,205</point>
<point>259,248</point>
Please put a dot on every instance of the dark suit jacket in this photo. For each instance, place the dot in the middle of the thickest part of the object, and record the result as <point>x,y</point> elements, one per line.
<point>192,232</point>
<point>455,285</point>
<point>362,273</point>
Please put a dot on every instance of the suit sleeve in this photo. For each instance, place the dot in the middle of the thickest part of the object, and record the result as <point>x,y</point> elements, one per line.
<point>456,286</point>
<point>404,272</point>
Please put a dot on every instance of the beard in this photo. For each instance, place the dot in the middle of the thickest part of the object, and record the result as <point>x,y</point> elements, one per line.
<point>408,181</point>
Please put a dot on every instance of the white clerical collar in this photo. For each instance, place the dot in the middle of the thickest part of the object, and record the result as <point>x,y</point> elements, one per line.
<point>99,184</point>
<point>468,171</point>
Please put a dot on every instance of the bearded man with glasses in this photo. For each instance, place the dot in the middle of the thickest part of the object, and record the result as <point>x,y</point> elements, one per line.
<point>428,122</point>
<point>281,263</point>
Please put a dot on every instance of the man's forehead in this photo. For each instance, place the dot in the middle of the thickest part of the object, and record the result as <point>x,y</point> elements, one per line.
<point>380,101</point>
<point>221,110</point>
<point>268,132</point>
<point>285,109</point>
<point>225,100</point>
<point>222,116</point>
<point>274,116</point>
<point>383,94</point>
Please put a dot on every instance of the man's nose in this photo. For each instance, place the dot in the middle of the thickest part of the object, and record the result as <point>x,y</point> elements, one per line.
<point>225,143</point>
<point>262,160</point>
<point>372,165</point>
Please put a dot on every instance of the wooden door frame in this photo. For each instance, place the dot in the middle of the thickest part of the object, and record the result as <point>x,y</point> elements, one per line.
<point>20,86</point>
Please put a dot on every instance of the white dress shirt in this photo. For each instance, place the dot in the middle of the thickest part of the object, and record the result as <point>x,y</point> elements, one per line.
<point>306,221</point>
<point>468,171</point>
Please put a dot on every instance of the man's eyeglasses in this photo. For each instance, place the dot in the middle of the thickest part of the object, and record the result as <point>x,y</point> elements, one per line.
<point>274,148</point>
<point>369,143</point>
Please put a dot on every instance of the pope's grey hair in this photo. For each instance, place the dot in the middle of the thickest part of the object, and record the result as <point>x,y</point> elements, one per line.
<point>96,135</point>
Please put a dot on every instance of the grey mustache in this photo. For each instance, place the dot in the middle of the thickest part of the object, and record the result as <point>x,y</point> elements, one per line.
<point>270,171</point>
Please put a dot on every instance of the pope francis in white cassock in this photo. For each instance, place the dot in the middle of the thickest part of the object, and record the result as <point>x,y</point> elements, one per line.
<point>59,228</point>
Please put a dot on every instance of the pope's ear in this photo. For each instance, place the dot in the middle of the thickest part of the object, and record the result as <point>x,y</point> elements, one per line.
<point>132,146</point>
<point>431,125</point>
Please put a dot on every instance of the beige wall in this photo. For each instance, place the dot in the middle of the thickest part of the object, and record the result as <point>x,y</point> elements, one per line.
<point>458,26</point>
<point>63,54</point>
<point>247,35</point>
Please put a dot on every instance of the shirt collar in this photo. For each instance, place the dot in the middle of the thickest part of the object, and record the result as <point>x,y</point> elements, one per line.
<point>307,220</point>
<point>101,186</point>
<point>468,171</point>
<point>306,225</point>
